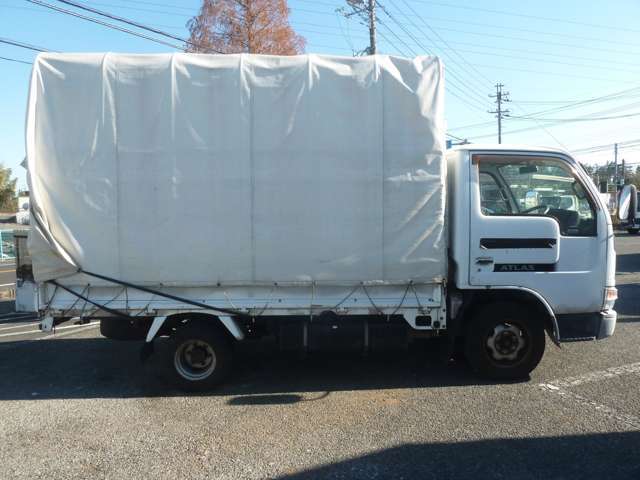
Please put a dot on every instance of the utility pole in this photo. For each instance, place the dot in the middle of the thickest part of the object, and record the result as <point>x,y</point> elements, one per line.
<point>372,27</point>
<point>500,113</point>
<point>615,174</point>
<point>615,165</point>
<point>366,11</point>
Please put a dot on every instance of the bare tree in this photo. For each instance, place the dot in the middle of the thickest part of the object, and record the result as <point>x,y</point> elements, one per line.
<point>244,26</point>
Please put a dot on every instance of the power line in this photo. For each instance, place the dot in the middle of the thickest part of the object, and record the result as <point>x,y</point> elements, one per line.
<point>535,116</point>
<point>520,130</point>
<point>491,51</point>
<point>608,146</point>
<point>104,24</point>
<point>627,93</point>
<point>555,74</point>
<point>28,46</point>
<point>546,102</point>
<point>411,50</point>
<point>542,42</point>
<point>519,57</point>
<point>479,73</point>
<point>461,97</point>
<point>451,73</point>
<point>579,119</point>
<point>507,37</point>
<point>137,9</point>
<point>485,26</point>
<point>522,15</point>
<point>473,67</point>
<point>392,44</point>
<point>500,114</point>
<point>419,17</point>
<point>130,22</point>
<point>502,67</point>
<point>15,60</point>
<point>150,10</point>
<point>156,4</point>
<point>346,35</point>
<point>352,51</point>
<point>547,61</point>
<point>460,139</point>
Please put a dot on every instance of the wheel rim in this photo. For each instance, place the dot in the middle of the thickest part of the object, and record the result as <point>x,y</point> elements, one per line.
<point>506,344</point>
<point>194,360</point>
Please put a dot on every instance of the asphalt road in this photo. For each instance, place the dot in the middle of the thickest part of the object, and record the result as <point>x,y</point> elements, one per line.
<point>7,276</point>
<point>76,405</point>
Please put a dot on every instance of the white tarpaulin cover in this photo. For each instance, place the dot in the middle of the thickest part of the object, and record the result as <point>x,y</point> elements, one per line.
<point>187,169</point>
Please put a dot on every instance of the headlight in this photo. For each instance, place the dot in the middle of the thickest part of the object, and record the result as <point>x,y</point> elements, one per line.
<point>610,297</point>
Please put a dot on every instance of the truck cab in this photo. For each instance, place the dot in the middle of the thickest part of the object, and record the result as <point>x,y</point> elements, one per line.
<point>530,237</point>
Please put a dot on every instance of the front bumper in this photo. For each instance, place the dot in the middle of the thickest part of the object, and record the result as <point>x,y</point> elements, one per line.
<point>575,327</point>
<point>607,324</point>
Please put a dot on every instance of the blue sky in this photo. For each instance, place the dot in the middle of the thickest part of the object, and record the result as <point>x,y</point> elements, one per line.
<point>556,58</point>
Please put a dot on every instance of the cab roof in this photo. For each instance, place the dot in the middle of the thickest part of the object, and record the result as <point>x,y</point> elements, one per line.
<point>508,147</point>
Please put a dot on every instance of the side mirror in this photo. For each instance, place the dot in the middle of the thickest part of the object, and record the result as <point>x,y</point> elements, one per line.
<point>530,199</point>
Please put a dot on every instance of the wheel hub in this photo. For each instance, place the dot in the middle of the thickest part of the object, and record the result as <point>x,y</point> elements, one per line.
<point>505,342</point>
<point>195,360</point>
<point>197,355</point>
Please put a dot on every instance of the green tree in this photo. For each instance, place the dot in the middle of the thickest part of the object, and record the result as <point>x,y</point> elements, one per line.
<point>633,176</point>
<point>8,197</point>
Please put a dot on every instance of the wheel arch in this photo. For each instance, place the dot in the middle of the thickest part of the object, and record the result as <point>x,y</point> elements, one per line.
<point>474,299</point>
<point>165,324</point>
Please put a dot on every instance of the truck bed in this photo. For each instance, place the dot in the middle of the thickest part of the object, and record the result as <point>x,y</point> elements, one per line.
<point>410,300</point>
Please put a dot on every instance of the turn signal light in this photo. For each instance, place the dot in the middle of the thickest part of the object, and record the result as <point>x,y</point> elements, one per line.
<point>610,297</point>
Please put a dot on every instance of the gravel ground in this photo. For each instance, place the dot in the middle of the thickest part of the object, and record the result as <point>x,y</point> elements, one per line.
<point>77,405</point>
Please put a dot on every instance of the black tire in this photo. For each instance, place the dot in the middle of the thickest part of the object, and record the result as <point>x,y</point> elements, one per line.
<point>201,356</point>
<point>504,341</point>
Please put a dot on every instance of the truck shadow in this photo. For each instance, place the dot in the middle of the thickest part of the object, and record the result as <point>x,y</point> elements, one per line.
<point>102,368</point>
<point>628,305</point>
<point>628,262</point>
<point>601,455</point>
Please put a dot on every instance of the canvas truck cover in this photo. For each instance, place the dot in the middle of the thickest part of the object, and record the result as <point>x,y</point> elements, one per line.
<point>185,169</point>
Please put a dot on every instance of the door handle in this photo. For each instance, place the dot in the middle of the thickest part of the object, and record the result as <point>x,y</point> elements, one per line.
<point>484,260</point>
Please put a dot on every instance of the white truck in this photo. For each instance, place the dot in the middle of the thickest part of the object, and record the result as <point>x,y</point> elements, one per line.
<point>629,208</point>
<point>213,199</point>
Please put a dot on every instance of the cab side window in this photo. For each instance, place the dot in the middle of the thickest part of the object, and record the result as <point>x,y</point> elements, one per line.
<point>492,198</point>
<point>524,185</point>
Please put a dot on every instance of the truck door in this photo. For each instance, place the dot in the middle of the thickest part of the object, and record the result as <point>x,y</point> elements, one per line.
<point>533,224</point>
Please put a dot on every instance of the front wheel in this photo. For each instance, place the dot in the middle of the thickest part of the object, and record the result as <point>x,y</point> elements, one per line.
<point>201,356</point>
<point>503,341</point>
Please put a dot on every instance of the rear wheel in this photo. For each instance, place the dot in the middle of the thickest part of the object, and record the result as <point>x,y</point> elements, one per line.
<point>201,356</point>
<point>503,341</point>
